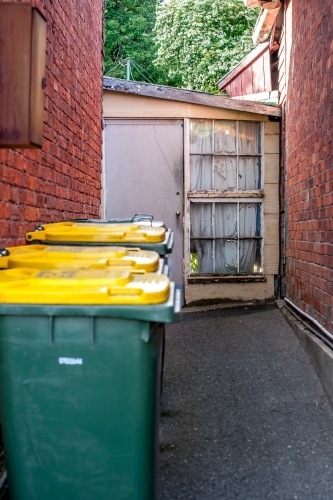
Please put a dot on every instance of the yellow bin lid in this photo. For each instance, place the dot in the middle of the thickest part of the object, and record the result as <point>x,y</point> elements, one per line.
<point>62,257</point>
<point>97,233</point>
<point>83,286</point>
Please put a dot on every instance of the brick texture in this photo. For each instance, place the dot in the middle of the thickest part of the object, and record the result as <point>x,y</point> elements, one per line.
<point>309,163</point>
<point>63,179</point>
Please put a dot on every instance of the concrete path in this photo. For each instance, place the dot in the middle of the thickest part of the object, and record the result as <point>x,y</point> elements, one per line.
<point>244,415</point>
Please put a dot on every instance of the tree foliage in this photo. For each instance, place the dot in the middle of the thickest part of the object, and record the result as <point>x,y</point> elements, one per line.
<point>199,41</point>
<point>129,34</point>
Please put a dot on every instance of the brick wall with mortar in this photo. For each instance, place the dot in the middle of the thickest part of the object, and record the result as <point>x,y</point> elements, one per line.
<point>309,163</point>
<point>63,179</point>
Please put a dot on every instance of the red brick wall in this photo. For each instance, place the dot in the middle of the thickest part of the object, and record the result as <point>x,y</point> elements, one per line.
<point>309,186</point>
<point>63,179</point>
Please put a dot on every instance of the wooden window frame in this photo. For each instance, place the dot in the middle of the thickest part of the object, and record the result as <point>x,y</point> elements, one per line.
<point>228,196</point>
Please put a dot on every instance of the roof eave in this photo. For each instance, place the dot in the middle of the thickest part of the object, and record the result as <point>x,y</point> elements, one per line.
<point>189,96</point>
<point>244,63</point>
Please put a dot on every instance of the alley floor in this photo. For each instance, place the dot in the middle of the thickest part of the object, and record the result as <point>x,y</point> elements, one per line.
<point>244,416</point>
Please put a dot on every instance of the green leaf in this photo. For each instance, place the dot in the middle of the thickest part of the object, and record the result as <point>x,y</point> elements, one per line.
<point>199,41</point>
<point>183,43</point>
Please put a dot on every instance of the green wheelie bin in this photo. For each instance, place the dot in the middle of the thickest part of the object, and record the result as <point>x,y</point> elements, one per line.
<point>86,257</point>
<point>142,232</point>
<point>96,233</point>
<point>81,257</point>
<point>144,219</point>
<point>79,371</point>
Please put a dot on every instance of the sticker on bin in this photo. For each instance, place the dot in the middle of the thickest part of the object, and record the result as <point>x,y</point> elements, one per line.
<point>62,257</point>
<point>70,361</point>
<point>83,286</point>
<point>97,233</point>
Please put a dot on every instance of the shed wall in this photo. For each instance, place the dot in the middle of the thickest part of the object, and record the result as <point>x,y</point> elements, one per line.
<point>64,178</point>
<point>309,186</point>
<point>122,105</point>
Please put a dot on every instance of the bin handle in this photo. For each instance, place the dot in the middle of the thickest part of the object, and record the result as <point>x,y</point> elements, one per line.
<point>141,217</point>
